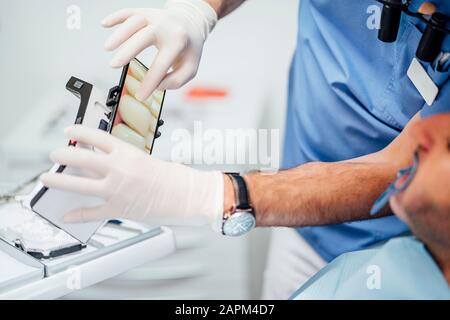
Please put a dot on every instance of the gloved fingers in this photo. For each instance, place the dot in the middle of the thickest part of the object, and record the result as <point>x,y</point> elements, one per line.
<point>159,68</point>
<point>97,213</point>
<point>178,77</point>
<point>132,25</point>
<point>119,17</point>
<point>82,185</point>
<point>93,137</point>
<point>80,158</point>
<point>144,38</point>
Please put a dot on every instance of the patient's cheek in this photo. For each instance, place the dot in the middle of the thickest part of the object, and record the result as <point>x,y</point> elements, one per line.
<point>437,183</point>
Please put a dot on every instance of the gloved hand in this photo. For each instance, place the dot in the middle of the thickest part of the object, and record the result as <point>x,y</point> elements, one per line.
<point>178,32</point>
<point>135,185</point>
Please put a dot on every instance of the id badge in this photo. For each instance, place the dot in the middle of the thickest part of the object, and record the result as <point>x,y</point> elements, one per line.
<point>423,82</point>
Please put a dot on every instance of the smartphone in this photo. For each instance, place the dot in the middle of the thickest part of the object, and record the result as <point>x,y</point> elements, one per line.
<point>134,121</point>
<point>128,119</point>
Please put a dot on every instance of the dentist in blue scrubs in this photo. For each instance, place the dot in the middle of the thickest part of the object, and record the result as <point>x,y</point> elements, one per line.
<point>349,96</point>
<point>350,103</point>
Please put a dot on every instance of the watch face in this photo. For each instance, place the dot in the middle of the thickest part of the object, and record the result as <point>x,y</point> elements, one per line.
<point>238,224</point>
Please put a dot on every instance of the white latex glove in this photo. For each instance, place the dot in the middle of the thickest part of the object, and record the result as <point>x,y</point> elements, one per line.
<point>135,185</point>
<point>178,32</point>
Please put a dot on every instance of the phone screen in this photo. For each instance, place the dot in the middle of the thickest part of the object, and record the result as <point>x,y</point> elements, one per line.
<point>135,121</point>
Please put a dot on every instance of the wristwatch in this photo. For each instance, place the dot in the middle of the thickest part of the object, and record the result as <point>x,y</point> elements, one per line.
<point>241,219</point>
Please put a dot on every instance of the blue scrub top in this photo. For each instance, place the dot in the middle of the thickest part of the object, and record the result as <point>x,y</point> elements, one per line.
<point>400,269</point>
<point>349,96</point>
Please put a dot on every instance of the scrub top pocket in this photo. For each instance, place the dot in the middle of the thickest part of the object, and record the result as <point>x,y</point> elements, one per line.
<point>401,100</point>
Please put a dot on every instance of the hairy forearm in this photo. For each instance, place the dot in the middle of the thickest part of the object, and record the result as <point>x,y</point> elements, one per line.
<point>318,193</point>
<point>224,7</point>
<point>321,193</point>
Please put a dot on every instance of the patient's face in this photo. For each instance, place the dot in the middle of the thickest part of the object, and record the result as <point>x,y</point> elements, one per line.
<point>425,204</point>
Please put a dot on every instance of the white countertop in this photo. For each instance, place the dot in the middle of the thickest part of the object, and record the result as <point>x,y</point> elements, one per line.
<point>115,249</point>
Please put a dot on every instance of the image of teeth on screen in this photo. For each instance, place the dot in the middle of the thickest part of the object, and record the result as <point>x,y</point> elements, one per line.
<point>136,121</point>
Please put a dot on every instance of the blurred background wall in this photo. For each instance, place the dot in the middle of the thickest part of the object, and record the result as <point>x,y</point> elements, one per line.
<point>248,53</point>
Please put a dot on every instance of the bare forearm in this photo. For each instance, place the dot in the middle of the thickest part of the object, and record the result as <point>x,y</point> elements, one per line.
<point>318,193</point>
<point>224,7</point>
<point>321,193</point>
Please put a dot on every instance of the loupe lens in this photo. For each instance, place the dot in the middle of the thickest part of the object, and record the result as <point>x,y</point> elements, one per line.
<point>390,21</point>
<point>431,43</point>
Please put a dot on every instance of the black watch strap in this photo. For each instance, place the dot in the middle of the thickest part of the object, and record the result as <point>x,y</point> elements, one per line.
<point>240,190</point>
